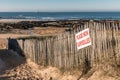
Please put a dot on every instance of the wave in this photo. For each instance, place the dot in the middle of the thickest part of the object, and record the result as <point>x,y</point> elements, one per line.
<point>60,17</point>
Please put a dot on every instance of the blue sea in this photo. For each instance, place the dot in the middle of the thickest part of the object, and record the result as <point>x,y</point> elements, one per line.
<point>60,15</point>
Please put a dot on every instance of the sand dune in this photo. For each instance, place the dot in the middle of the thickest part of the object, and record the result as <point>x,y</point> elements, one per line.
<point>15,67</point>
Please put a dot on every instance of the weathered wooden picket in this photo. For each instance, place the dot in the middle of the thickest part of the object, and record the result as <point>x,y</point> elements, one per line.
<point>61,51</point>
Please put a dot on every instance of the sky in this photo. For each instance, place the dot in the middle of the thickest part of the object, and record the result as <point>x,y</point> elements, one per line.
<point>59,5</point>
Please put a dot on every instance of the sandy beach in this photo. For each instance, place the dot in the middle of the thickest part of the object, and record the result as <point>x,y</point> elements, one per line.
<point>15,20</point>
<point>9,20</point>
<point>5,36</point>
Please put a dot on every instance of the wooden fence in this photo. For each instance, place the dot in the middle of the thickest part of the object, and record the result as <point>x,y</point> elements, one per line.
<point>61,51</point>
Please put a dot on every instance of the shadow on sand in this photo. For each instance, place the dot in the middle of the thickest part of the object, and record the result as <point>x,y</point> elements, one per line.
<point>11,58</point>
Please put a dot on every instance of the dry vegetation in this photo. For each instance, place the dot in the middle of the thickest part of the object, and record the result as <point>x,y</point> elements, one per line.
<point>48,30</point>
<point>15,67</point>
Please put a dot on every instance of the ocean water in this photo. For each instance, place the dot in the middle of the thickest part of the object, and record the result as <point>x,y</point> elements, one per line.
<point>60,15</point>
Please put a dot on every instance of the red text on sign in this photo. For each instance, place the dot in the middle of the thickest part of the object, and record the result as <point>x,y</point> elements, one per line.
<point>83,42</point>
<point>82,35</point>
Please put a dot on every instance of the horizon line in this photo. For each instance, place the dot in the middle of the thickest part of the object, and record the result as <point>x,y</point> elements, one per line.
<point>59,11</point>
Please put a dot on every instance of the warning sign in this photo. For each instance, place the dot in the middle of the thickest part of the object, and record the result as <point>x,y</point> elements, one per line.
<point>83,39</point>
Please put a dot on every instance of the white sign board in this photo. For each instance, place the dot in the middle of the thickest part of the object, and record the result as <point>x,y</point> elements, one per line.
<point>83,39</point>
